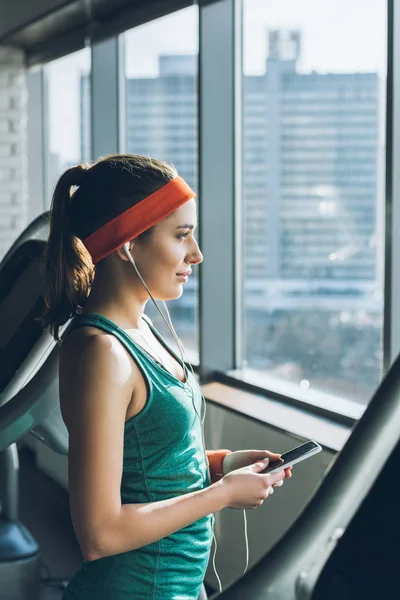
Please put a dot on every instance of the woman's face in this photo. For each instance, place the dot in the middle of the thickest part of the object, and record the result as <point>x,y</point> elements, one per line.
<point>171,249</point>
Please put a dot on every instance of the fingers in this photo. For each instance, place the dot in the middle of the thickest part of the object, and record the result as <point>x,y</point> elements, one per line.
<point>272,455</point>
<point>264,454</point>
<point>275,477</point>
<point>288,472</point>
<point>279,484</point>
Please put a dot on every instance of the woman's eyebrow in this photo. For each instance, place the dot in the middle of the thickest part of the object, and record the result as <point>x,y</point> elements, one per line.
<point>186,226</point>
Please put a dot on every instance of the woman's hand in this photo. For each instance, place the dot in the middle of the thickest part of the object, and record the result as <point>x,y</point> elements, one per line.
<point>248,487</point>
<point>244,458</point>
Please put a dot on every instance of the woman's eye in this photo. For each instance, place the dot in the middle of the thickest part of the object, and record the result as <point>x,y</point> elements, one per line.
<point>183,235</point>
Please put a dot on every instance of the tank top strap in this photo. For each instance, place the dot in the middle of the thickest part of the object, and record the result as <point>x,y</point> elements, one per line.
<point>148,320</point>
<point>146,363</point>
<point>101,322</point>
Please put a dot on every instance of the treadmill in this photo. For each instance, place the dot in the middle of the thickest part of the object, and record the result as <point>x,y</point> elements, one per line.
<point>28,401</point>
<point>344,544</point>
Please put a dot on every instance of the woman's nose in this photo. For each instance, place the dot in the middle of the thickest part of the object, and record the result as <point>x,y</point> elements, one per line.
<point>196,257</point>
<point>199,257</point>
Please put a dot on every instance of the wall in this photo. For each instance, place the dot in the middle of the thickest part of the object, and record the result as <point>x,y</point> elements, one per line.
<point>13,147</point>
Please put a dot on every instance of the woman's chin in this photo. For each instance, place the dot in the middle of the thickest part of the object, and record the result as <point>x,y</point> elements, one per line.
<point>170,296</point>
<point>179,292</point>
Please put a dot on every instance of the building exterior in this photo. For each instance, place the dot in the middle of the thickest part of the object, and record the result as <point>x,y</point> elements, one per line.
<point>161,115</point>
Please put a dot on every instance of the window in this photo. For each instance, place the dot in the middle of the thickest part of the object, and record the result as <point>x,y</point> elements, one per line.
<point>318,81</point>
<point>68,126</point>
<point>161,122</point>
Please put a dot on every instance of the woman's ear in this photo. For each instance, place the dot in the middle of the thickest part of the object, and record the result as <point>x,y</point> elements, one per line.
<point>124,251</point>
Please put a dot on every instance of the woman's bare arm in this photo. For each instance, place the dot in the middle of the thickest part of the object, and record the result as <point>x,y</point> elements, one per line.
<point>141,524</point>
<point>96,383</point>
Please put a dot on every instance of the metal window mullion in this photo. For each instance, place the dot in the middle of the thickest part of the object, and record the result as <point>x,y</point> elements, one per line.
<point>219,183</point>
<point>239,333</point>
<point>104,98</point>
<point>121,91</point>
<point>391,343</point>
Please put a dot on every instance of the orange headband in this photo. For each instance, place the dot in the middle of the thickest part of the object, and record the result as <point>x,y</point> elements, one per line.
<point>138,218</point>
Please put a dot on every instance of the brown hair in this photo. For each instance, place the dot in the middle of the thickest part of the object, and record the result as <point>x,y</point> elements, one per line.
<point>112,183</point>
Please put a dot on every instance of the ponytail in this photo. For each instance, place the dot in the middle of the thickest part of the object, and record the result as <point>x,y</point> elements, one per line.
<point>67,266</point>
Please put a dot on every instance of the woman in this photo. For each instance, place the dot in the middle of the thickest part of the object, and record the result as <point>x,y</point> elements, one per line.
<point>142,496</point>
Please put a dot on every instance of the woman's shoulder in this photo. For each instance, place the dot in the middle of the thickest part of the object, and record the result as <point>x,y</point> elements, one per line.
<point>92,360</point>
<point>90,343</point>
<point>77,338</point>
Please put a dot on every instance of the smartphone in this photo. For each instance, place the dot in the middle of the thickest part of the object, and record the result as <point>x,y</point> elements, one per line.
<point>293,456</point>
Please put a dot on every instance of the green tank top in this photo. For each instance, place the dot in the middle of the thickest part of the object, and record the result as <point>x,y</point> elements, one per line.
<point>163,457</point>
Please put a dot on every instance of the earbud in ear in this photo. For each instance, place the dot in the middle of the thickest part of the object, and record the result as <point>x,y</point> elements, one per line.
<point>126,247</point>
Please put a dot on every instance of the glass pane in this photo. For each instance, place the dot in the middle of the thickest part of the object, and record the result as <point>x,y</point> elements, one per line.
<point>161,122</point>
<point>313,197</point>
<point>68,101</point>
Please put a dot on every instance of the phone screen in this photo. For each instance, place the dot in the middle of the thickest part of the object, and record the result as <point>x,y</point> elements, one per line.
<point>293,456</point>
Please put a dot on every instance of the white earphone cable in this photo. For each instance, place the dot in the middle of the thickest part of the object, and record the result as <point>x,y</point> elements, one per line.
<point>201,417</point>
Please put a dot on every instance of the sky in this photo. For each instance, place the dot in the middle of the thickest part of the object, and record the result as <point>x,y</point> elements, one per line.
<point>337,36</point>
